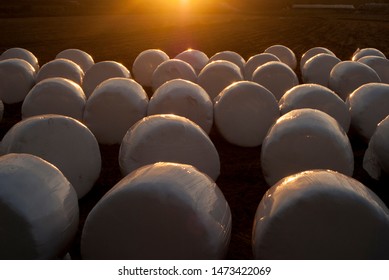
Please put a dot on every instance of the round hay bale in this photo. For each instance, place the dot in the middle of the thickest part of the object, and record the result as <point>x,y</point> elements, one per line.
<point>162,211</point>
<point>81,58</point>
<point>39,209</point>
<point>60,68</point>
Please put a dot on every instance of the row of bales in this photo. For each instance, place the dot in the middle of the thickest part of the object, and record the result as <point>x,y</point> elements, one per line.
<point>161,113</point>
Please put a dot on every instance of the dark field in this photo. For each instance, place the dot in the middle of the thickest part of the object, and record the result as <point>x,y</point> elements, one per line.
<point>122,38</point>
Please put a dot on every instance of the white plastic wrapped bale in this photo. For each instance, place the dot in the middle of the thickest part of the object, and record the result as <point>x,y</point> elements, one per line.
<point>17,77</point>
<point>38,209</point>
<point>285,54</point>
<point>316,97</point>
<point>102,71</point>
<point>55,96</point>
<point>376,158</point>
<point>318,68</point>
<point>145,64</point>
<point>320,214</point>
<point>230,56</point>
<point>368,105</point>
<point>168,138</point>
<point>244,112</point>
<point>61,68</point>
<point>218,75</point>
<point>162,211</point>
<point>359,53</point>
<point>347,76</point>
<point>197,59</point>
<point>81,58</point>
<point>378,64</point>
<point>305,139</point>
<point>114,106</point>
<point>183,98</point>
<point>312,52</point>
<point>62,141</point>
<point>255,61</point>
<point>23,54</point>
<point>277,77</point>
<point>172,69</point>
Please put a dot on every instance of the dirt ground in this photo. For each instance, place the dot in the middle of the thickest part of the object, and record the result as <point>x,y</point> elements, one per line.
<point>122,38</point>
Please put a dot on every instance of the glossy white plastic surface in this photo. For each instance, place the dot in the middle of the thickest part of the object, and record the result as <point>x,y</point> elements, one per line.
<point>368,105</point>
<point>218,75</point>
<point>359,53</point>
<point>277,77</point>
<point>39,209</point>
<point>168,138</point>
<point>61,68</point>
<point>376,158</point>
<point>347,76</point>
<point>311,53</point>
<point>318,68</point>
<point>378,64</point>
<point>183,98</point>
<point>244,112</point>
<point>21,53</point>
<point>62,141</point>
<point>305,139</point>
<point>102,71</point>
<point>230,56</point>
<point>55,96</point>
<point>316,97</point>
<point>172,69</point>
<point>255,61</point>
<point>161,211</point>
<point>114,106</point>
<point>197,59</point>
<point>80,57</point>
<point>145,64</point>
<point>17,77</point>
<point>285,54</point>
<point>321,214</point>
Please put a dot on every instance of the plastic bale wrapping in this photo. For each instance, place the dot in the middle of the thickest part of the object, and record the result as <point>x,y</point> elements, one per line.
<point>277,77</point>
<point>17,77</point>
<point>161,211</point>
<point>320,214</point>
<point>80,57</point>
<point>285,54</point>
<point>145,64</point>
<point>197,59</point>
<point>38,209</point>
<point>63,68</point>
<point>168,138</point>
<point>183,98</point>
<point>378,64</point>
<point>244,112</point>
<point>359,53</point>
<point>172,69</point>
<point>305,139</point>
<point>114,106</point>
<point>317,69</point>
<point>311,53</point>
<point>62,141</point>
<point>347,76</point>
<point>55,96</point>
<point>23,54</point>
<point>376,158</point>
<point>255,61</point>
<point>316,97</point>
<point>217,75</point>
<point>368,105</point>
<point>230,56</point>
<point>102,71</point>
